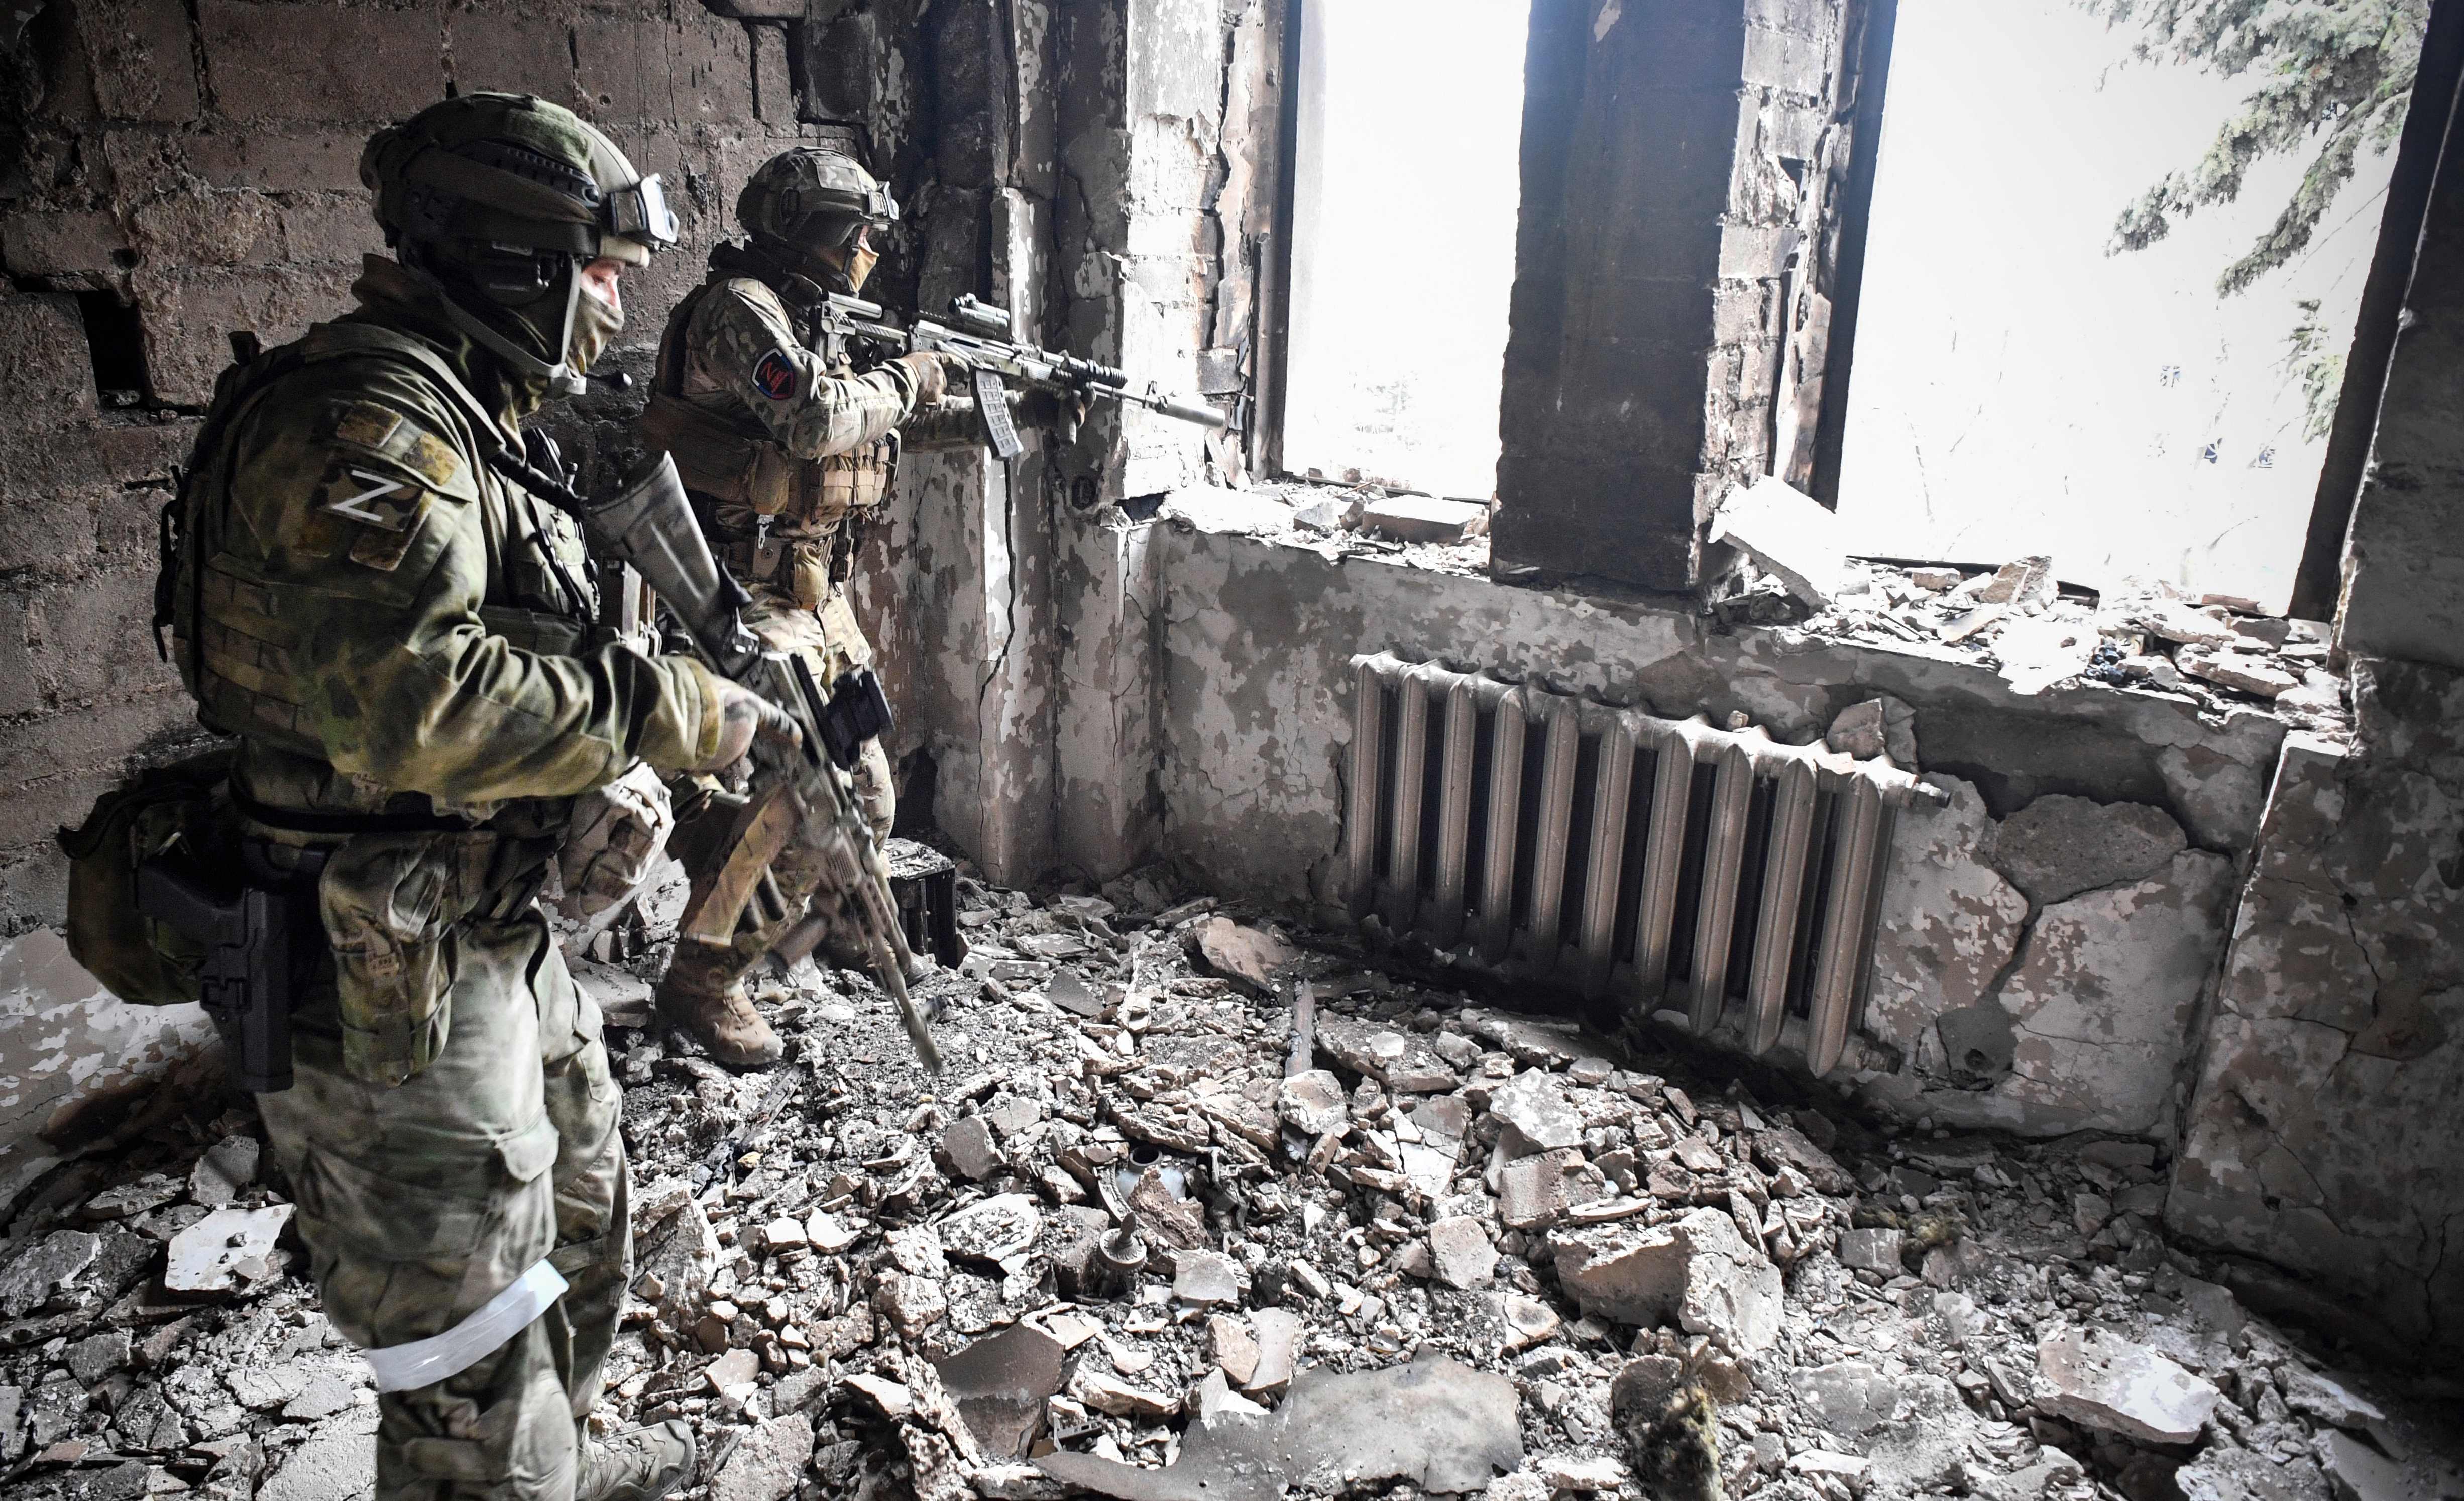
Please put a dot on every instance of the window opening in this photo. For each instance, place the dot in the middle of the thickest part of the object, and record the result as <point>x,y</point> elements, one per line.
<point>115,341</point>
<point>1406,179</point>
<point>2024,382</point>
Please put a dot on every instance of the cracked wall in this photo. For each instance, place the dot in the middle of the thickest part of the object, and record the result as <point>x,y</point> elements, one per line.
<point>2324,1134</point>
<point>2060,919</point>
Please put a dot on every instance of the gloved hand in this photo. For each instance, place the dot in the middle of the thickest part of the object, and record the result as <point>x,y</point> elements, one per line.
<point>745,717</point>
<point>934,372</point>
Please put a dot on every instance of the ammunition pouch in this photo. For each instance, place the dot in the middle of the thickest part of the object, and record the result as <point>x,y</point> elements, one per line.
<point>136,957</point>
<point>715,458</point>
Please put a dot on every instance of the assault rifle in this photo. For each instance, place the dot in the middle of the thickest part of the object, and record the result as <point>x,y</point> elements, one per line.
<point>803,793</point>
<point>978,334</point>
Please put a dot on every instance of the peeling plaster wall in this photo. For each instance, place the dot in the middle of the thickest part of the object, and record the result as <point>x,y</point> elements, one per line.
<point>2325,1132</point>
<point>2095,993</point>
<point>73,1056</point>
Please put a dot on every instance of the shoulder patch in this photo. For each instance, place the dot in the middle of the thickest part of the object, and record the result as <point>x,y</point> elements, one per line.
<point>774,375</point>
<point>383,433</point>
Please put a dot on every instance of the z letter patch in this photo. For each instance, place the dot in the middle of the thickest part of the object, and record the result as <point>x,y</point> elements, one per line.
<point>774,375</point>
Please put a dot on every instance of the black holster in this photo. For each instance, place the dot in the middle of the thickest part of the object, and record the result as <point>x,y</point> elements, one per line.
<point>259,934</point>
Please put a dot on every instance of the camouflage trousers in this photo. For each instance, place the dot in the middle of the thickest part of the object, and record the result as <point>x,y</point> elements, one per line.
<point>830,642</point>
<point>422,1201</point>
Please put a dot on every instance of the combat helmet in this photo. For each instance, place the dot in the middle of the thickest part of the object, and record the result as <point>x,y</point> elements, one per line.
<point>808,200</point>
<point>501,199</point>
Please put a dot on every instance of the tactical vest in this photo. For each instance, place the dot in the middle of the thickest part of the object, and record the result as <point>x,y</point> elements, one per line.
<point>731,465</point>
<point>234,645</point>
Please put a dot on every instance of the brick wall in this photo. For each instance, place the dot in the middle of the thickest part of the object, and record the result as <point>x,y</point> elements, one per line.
<point>1684,167</point>
<point>172,172</point>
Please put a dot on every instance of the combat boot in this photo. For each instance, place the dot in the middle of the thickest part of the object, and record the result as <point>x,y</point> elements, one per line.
<point>639,1465</point>
<point>700,994</point>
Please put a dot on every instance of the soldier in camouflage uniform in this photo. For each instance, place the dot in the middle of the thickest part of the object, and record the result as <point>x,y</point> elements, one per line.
<point>400,635</point>
<point>783,446</point>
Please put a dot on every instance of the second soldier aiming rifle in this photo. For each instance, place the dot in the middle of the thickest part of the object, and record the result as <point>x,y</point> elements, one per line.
<point>802,794</point>
<point>977,334</point>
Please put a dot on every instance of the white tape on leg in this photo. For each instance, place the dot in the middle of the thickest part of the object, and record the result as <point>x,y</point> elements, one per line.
<point>423,1363</point>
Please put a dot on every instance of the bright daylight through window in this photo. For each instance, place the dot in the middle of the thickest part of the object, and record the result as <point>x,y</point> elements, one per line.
<point>1405,185</point>
<point>2025,382</point>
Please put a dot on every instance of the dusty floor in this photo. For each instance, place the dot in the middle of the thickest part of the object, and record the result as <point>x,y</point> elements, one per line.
<point>1501,1213</point>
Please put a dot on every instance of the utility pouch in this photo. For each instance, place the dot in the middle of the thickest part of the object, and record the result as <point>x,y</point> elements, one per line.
<point>389,903</point>
<point>139,959</point>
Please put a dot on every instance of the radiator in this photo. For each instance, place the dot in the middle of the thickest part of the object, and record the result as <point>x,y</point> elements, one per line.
<point>1661,862</point>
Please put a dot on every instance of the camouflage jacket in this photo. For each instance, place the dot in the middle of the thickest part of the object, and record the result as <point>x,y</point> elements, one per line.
<point>387,623</point>
<point>742,354</point>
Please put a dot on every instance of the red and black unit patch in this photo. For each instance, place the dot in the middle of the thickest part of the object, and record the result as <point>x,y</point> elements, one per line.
<point>774,375</point>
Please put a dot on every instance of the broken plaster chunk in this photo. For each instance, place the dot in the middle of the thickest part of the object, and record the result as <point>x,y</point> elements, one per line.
<point>1697,1271</point>
<point>1312,1103</point>
<point>1232,1348</point>
<point>2237,670</point>
<point>2022,582</point>
<point>1279,1332</point>
<point>1424,519</point>
<point>2101,1381</point>
<point>1459,1246</point>
<point>1787,533</point>
<point>1873,1250</point>
<point>990,1232</point>
<point>1252,956</point>
<point>1106,1393</point>
<point>1329,514</point>
<point>227,1168</point>
<point>27,1281</point>
<point>1404,1062</point>
<point>1436,1424</point>
<point>207,1254</point>
<point>1000,1384</point>
<point>1881,726</point>
<point>2060,846</point>
<point>1532,1192</point>
<point>1205,1278</point>
<point>968,1147</point>
<point>1848,1397</point>
<point>769,1463</point>
<point>1534,1104</point>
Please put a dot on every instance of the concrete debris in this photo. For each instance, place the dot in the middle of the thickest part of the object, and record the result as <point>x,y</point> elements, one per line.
<point>1883,726</point>
<point>1787,533</point>
<point>2109,1383</point>
<point>2221,653</point>
<point>769,1463</point>
<point>1697,1272</point>
<point>226,1243</point>
<point>1458,1248</point>
<point>1330,515</point>
<point>1440,1425</point>
<point>229,1167</point>
<point>1000,1384</point>
<point>1253,957</point>
<point>1424,519</point>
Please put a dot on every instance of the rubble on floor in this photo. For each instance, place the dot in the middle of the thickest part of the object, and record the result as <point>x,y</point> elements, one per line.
<point>1175,1226</point>
<point>2216,649</point>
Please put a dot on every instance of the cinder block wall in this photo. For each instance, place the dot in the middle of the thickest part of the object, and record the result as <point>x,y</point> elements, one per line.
<point>176,172</point>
